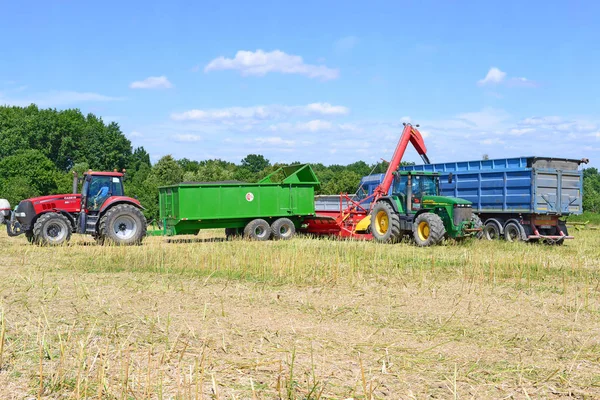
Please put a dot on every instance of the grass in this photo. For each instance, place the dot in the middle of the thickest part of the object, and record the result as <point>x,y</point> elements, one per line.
<point>305,318</point>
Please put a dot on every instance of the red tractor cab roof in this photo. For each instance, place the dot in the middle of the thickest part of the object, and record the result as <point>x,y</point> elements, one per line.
<point>95,173</point>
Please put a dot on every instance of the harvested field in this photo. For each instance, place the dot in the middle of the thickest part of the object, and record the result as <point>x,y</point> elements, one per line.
<point>305,318</point>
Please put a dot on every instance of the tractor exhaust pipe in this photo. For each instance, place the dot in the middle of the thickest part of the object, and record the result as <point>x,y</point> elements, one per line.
<point>75,182</point>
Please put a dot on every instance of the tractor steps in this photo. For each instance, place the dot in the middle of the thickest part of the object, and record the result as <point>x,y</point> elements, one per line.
<point>90,224</point>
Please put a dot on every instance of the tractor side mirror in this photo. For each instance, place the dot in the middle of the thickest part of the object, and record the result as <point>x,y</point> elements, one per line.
<point>450,176</point>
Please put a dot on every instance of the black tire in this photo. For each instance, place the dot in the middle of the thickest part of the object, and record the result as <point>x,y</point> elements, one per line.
<point>283,229</point>
<point>232,233</point>
<point>257,229</point>
<point>477,224</point>
<point>428,229</point>
<point>514,232</point>
<point>51,229</point>
<point>491,231</point>
<point>123,224</point>
<point>385,223</point>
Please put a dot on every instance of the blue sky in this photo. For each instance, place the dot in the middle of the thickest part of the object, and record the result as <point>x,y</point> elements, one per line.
<point>316,81</point>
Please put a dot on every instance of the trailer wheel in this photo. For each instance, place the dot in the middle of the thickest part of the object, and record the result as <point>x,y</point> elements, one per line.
<point>51,229</point>
<point>491,231</point>
<point>283,229</point>
<point>385,223</point>
<point>122,224</point>
<point>231,233</point>
<point>514,232</point>
<point>257,229</point>
<point>428,229</point>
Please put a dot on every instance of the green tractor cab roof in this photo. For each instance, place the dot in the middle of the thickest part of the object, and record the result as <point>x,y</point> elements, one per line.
<point>421,173</point>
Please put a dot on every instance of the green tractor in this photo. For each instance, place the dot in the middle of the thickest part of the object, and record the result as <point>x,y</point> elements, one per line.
<point>414,208</point>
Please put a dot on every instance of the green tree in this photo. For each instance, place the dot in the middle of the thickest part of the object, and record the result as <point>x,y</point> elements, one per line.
<point>255,163</point>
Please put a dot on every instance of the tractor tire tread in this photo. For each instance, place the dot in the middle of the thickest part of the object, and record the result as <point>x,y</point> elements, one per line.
<point>103,236</point>
<point>37,236</point>
<point>437,231</point>
<point>394,223</point>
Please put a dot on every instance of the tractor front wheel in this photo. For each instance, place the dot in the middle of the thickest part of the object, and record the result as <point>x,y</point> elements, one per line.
<point>385,223</point>
<point>122,224</point>
<point>428,229</point>
<point>51,229</point>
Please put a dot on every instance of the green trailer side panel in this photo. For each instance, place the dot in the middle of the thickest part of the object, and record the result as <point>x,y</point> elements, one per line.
<point>188,207</point>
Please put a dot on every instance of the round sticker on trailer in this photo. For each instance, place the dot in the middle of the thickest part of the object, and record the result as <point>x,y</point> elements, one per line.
<point>249,196</point>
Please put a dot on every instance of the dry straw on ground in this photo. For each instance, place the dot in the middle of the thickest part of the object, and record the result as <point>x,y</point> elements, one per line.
<point>299,319</point>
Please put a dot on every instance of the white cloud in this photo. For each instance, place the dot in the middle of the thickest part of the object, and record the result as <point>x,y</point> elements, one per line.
<point>259,112</point>
<point>152,82</point>
<point>494,76</point>
<point>135,134</point>
<point>260,63</point>
<point>520,131</point>
<point>345,44</point>
<point>187,138</point>
<point>274,141</point>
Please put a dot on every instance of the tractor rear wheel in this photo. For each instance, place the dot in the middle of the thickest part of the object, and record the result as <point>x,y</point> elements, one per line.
<point>283,229</point>
<point>257,229</point>
<point>428,229</point>
<point>51,229</point>
<point>122,224</point>
<point>385,223</point>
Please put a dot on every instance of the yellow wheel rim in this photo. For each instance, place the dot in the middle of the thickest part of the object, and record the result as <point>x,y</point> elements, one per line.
<point>423,230</point>
<point>381,222</point>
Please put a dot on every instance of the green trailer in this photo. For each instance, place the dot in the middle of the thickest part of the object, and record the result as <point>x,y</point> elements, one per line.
<point>273,207</point>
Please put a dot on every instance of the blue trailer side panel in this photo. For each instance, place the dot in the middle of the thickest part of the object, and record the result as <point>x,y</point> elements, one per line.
<point>513,185</point>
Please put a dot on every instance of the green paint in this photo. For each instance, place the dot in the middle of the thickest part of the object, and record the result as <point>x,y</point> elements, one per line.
<point>288,192</point>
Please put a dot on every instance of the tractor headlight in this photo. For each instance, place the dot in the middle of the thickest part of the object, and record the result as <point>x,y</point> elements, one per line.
<point>20,214</point>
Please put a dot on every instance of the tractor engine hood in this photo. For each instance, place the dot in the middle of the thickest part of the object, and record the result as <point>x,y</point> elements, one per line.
<point>443,200</point>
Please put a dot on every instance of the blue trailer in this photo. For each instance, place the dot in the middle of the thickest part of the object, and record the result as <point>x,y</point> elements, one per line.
<point>522,198</point>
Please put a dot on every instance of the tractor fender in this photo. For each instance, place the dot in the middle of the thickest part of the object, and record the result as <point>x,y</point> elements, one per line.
<point>114,200</point>
<point>391,202</point>
<point>66,214</point>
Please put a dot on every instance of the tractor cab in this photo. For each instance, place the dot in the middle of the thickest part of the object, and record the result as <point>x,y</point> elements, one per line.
<point>413,187</point>
<point>99,187</point>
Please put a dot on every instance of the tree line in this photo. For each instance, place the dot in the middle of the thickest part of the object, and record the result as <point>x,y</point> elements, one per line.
<point>42,147</point>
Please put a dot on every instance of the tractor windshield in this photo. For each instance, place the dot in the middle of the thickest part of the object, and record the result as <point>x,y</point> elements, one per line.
<point>424,185</point>
<point>100,188</point>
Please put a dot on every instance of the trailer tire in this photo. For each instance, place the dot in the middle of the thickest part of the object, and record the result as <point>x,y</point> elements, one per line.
<point>428,229</point>
<point>385,223</point>
<point>491,230</point>
<point>257,229</point>
<point>232,233</point>
<point>283,229</point>
<point>123,224</point>
<point>51,229</point>
<point>514,232</point>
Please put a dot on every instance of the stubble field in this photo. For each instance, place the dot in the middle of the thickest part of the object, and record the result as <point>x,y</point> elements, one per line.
<point>306,318</point>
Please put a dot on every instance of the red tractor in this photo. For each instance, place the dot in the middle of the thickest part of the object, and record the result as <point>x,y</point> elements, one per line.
<point>101,210</point>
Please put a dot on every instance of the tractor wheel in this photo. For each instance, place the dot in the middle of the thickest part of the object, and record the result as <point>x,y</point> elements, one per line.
<point>122,224</point>
<point>51,229</point>
<point>385,223</point>
<point>283,229</point>
<point>477,224</point>
<point>257,229</point>
<point>514,232</point>
<point>428,229</point>
<point>491,231</point>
